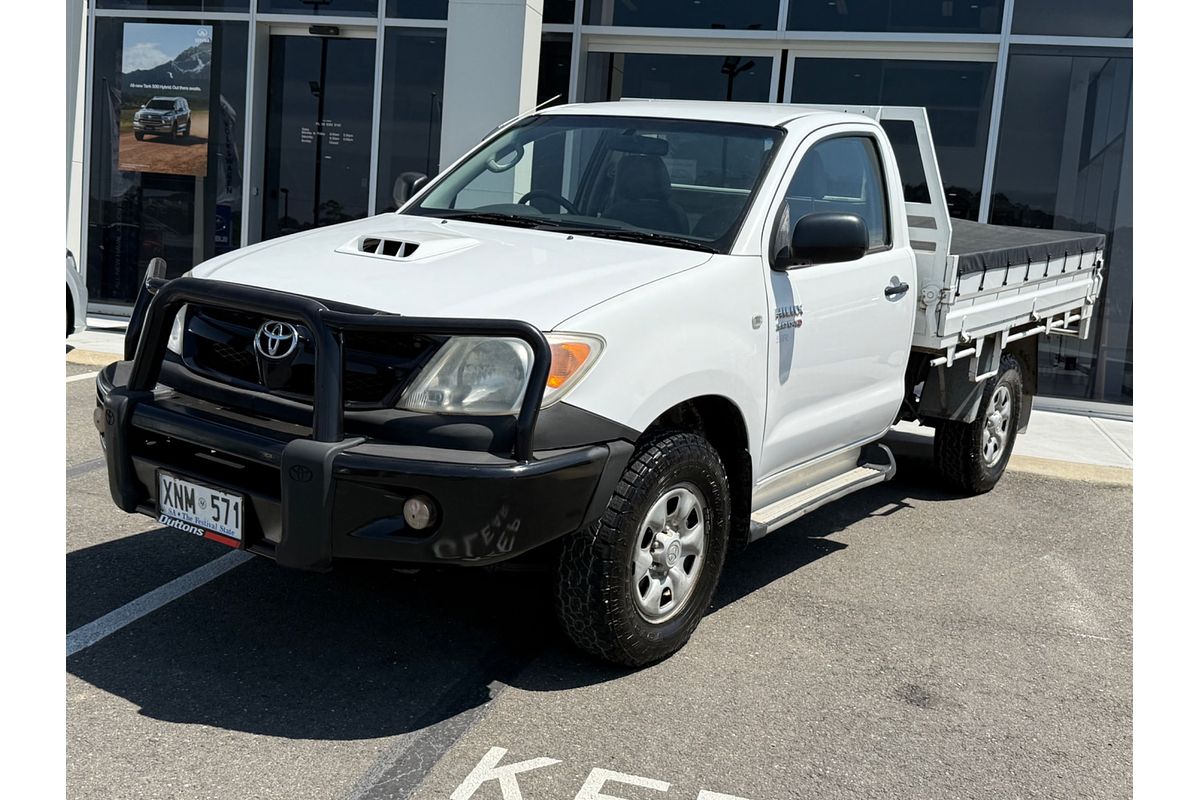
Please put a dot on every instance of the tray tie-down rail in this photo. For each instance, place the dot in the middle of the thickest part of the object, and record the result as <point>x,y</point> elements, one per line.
<point>985,351</point>
<point>326,326</point>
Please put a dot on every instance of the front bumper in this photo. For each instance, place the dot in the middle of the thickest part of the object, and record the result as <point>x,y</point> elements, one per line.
<point>314,495</point>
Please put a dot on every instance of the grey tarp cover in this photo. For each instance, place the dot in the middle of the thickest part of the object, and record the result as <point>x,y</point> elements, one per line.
<point>981,247</point>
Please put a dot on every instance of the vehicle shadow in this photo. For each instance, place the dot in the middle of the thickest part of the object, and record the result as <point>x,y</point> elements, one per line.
<point>367,653</point>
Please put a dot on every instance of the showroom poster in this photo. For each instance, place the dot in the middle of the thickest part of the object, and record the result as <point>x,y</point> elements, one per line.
<point>165,87</point>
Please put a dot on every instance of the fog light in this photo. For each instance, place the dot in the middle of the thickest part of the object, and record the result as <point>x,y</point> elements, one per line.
<point>418,512</point>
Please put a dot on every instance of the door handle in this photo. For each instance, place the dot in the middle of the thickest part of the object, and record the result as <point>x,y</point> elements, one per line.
<point>895,289</point>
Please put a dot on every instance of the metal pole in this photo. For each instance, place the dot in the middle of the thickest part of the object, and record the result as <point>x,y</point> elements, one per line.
<point>993,142</point>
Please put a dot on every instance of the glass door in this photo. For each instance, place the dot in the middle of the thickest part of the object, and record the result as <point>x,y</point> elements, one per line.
<point>318,135</point>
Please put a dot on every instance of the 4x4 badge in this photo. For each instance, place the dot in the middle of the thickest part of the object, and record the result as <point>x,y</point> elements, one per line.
<point>276,340</point>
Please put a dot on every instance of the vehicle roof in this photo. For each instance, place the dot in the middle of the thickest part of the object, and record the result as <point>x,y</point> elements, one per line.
<point>772,114</point>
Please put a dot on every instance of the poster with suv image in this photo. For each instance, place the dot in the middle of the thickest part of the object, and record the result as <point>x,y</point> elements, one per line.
<point>162,122</point>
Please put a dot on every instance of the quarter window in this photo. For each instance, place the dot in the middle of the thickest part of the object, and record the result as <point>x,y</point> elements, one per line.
<point>842,175</point>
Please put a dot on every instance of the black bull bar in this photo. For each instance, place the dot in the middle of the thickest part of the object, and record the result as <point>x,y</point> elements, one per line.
<point>308,544</point>
<point>151,332</point>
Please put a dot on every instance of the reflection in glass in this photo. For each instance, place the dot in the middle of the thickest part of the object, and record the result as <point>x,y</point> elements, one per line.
<point>612,76</point>
<point>956,94</point>
<point>418,9</point>
<point>554,68</point>
<point>912,16</point>
<point>1064,162</point>
<point>1111,18</point>
<point>329,8</point>
<point>558,12</point>
<point>318,154</point>
<point>414,65</point>
<point>176,5</point>
<point>742,15</point>
<point>133,217</point>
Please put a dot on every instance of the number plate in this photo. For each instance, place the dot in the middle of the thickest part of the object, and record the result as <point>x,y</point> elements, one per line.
<point>199,509</point>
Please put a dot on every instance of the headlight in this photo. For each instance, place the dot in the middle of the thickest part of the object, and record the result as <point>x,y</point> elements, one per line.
<point>175,340</point>
<point>488,375</point>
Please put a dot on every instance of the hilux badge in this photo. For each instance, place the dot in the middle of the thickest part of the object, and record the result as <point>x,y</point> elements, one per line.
<point>789,317</point>
<point>276,340</point>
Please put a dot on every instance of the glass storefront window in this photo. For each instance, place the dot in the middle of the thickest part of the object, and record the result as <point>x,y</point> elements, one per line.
<point>328,8</point>
<point>414,68</point>
<point>956,94</point>
<point>1064,161</point>
<point>318,132</point>
<point>554,68</point>
<point>676,76</point>
<point>742,15</point>
<point>175,5</point>
<point>558,12</point>
<point>168,183</point>
<point>907,16</point>
<point>1111,18</point>
<point>418,9</point>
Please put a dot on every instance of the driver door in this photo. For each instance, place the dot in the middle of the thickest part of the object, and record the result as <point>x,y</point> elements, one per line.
<point>839,344</point>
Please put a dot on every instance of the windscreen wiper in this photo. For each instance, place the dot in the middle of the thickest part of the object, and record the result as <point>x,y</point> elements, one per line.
<point>494,217</point>
<point>625,235</point>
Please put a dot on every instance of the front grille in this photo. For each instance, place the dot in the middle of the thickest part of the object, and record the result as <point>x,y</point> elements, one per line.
<point>376,367</point>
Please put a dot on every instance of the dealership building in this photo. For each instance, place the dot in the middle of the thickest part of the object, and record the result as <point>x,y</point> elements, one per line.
<point>200,126</point>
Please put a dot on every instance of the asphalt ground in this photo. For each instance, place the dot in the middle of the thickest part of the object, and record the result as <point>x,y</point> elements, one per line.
<point>899,643</point>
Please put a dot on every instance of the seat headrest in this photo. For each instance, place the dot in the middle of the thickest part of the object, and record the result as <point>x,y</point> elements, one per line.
<point>642,177</point>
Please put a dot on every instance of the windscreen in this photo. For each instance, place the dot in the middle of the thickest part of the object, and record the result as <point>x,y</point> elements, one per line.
<point>668,182</point>
<point>161,105</point>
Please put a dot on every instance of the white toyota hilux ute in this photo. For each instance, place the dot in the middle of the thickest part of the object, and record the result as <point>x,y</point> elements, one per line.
<point>622,338</point>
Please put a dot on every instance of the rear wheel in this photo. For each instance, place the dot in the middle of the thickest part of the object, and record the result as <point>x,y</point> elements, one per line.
<point>633,587</point>
<point>972,456</point>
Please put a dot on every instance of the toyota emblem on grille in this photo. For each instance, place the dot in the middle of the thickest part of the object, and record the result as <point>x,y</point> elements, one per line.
<point>276,340</point>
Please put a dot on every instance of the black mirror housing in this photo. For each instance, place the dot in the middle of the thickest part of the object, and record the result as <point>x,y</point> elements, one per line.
<point>827,237</point>
<point>408,184</point>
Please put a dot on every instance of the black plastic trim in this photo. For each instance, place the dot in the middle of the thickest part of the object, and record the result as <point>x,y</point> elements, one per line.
<point>565,425</point>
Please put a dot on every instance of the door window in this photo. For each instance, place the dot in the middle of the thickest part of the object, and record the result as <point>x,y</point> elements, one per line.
<point>841,175</point>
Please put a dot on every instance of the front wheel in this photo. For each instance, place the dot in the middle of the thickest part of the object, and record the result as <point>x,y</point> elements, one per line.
<point>633,586</point>
<point>972,456</point>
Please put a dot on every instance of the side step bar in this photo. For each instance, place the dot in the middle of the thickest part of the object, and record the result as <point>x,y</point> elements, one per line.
<point>875,465</point>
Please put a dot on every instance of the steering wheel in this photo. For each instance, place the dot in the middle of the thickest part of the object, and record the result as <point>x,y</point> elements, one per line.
<point>558,198</point>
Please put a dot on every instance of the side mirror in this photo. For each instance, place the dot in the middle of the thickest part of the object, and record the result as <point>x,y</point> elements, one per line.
<point>408,184</point>
<point>827,237</point>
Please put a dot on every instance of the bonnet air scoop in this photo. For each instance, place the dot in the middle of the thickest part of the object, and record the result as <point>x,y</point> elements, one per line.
<point>392,248</point>
<point>406,246</point>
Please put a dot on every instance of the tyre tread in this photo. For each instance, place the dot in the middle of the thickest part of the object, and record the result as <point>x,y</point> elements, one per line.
<point>589,609</point>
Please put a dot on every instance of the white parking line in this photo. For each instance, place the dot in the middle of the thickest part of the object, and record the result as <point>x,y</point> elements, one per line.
<point>83,377</point>
<point>87,635</point>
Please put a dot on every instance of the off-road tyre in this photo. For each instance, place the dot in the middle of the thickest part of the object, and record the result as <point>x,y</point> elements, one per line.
<point>139,136</point>
<point>595,570</point>
<point>959,448</point>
